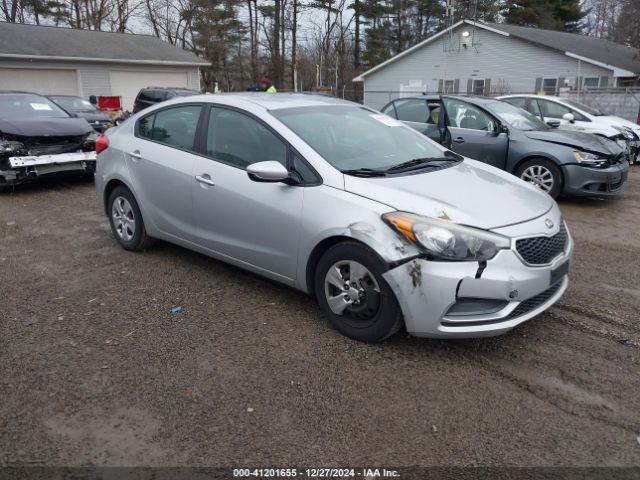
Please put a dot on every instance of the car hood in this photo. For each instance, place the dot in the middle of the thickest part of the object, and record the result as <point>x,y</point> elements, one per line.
<point>613,120</point>
<point>470,193</point>
<point>40,127</point>
<point>580,140</point>
<point>92,116</point>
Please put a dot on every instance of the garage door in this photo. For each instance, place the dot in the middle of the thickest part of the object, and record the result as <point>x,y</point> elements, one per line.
<point>40,80</point>
<point>128,83</point>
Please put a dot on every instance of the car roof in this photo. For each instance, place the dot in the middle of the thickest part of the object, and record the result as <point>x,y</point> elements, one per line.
<point>532,95</point>
<point>65,96</point>
<point>185,89</point>
<point>274,101</point>
<point>468,98</point>
<point>21,92</point>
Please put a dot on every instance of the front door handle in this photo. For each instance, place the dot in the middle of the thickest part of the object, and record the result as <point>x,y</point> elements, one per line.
<point>458,140</point>
<point>135,154</point>
<point>206,179</point>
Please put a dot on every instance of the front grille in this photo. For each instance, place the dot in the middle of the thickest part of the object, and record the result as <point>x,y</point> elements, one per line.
<point>534,302</point>
<point>542,250</point>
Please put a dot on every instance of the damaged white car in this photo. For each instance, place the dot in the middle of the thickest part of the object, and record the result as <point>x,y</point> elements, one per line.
<point>38,138</point>
<point>385,227</point>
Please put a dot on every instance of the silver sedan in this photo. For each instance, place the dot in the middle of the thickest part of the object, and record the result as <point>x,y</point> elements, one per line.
<point>386,228</point>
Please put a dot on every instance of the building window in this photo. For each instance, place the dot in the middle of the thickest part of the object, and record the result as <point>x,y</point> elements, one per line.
<point>449,86</point>
<point>550,86</point>
<point>478,86</point>
<point>591,82</point>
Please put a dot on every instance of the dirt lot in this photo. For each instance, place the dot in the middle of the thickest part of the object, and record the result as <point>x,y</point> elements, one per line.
<point>96,370</point>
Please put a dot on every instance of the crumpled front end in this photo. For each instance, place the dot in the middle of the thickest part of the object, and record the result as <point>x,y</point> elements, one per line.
<point>25,158</point>
<point>468,299</point>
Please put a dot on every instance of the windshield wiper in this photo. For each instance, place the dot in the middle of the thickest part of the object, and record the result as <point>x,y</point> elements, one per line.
<point>421,162</point>
<point>365,172</point>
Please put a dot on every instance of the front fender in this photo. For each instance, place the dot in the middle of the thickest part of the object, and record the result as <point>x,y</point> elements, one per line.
<point>333,214</point>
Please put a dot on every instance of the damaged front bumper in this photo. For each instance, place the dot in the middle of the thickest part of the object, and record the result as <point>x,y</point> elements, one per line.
<point>583,181</point>
<point>462,300</point>
<point>24,168</point>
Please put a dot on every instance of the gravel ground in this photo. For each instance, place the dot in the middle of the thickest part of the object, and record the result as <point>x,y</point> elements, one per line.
<point>96,370</point>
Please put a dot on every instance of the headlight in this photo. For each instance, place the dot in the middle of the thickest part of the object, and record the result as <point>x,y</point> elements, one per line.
<point>447,240</point>
<point>590,159</point>
<point>7,146</point>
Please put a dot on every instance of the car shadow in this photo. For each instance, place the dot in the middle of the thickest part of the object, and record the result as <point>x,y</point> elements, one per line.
<point>47,184</point>
<point>400,344</point>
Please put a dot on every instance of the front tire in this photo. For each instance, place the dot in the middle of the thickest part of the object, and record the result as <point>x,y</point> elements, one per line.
<point>351,291</point>
<point>126,221</point>
<point>542,173</point>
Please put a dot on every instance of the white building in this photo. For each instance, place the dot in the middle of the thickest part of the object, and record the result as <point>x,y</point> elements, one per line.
<point>490,58</point>
<point>52,60</point>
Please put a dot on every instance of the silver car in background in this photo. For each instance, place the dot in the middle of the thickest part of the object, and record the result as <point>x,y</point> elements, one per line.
<point>384,226</point>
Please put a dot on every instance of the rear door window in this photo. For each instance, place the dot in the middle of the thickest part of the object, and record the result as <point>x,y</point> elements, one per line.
<point>390,110</point>
<point>175,127</point>
<point>525,103</point>
<point>556,110</point>
<point>412,110</point>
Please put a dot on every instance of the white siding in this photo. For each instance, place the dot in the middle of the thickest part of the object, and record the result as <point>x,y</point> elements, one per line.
<point>86,78</point>
<point>95,82</point>
<point>512,65</point>
<point>127,83</point>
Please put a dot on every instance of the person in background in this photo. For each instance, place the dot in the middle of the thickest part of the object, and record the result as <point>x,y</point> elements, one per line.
<point>266,85</point>
<point>93,100</point>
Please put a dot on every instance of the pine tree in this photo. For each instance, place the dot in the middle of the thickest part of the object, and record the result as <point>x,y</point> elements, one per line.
<point>563,15</point>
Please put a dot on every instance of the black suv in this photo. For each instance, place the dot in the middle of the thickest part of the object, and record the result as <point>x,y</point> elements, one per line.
<point>151,95</point>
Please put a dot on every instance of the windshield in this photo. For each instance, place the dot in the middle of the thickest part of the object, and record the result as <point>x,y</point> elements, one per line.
<point>585,108</point>
<point>351,137</point>
<point>516,117</point>
<point>29,106</point>
<point>74,104</point>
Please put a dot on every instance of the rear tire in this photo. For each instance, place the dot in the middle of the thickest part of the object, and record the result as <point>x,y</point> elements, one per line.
<point>542,173</point>
<point>368,310</point>
<point>126,220</point>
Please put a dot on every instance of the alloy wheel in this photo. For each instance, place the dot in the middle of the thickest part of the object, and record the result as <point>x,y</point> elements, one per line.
<point>540,176</point>
<point>351,289</point>
<point>123,218</point>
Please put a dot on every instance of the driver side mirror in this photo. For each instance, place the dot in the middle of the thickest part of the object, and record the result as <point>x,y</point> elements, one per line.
<point>502,128</point>
<point>568,117</point>
<point>270,171</point>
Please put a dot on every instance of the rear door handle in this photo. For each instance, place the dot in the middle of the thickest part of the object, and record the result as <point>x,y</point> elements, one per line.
<point>206,179</point>
<point>458,140</point>
<point>135,154</point>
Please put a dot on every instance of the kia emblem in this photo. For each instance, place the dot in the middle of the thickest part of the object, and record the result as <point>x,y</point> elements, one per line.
<point>549,223</point>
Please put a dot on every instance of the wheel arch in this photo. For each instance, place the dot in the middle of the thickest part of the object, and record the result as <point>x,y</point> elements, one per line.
<point>544,157</point>
<point>533,156</point>
<point>110,187</point>
<point>322,247</point>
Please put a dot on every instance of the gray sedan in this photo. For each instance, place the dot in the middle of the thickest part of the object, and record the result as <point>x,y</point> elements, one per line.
<point>385,227</point>
<point>507,137</point>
